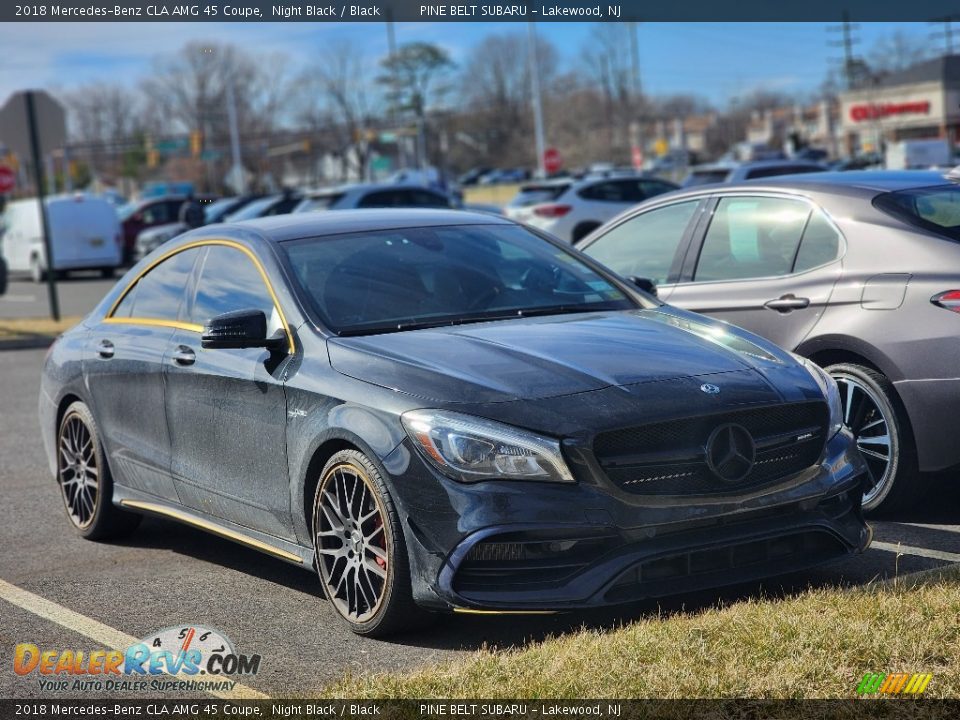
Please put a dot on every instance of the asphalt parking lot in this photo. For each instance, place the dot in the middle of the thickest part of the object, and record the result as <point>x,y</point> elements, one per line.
<point>78,296</point>
<point>80,594</point>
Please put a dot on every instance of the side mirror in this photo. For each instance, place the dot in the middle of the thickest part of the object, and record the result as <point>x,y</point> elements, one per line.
<point>645,284</point>
<point>238,329</point>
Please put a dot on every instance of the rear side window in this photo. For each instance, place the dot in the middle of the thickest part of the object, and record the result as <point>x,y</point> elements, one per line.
<point>820,244</point>
<point>159,294</point>
<point>752,237</point>
<point>425,198</point>
<point>536,194</point>
<point>935,209</point>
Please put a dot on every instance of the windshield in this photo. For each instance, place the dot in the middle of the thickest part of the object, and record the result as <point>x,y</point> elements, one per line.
<point>536,194</point>
<point>316,203</point>
<point>253,210</point>
<point>705,177</point>
<point>124,212</point>
<point>936,209</point>
<point>213,211</point>
<point>389,280</point>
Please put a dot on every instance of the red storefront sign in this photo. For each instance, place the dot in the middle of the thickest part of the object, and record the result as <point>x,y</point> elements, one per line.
<point>859,113</point>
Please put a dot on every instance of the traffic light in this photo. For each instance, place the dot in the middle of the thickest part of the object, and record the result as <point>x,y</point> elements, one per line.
<point>196,143</point>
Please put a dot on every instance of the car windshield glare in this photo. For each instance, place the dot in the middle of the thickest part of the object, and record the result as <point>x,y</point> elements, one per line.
<point>390,280</point>
<point>936,209</point>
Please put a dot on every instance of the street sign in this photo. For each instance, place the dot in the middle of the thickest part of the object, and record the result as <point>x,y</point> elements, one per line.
<point>8,179</point>
<point>552,162</point>
<point>51,123</point>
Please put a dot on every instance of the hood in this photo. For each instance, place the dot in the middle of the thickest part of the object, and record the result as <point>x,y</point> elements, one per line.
<point>535,358</point>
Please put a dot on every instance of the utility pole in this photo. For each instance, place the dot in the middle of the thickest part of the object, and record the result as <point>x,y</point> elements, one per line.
<point>392,52</point>
<point>635,128</point>
<point>537,100</point>
<point>239,176</point>
<point>847,41</point>
<point>946,33</point>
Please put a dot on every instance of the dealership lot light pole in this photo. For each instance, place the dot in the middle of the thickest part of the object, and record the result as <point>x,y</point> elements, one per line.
<point>537,99</point>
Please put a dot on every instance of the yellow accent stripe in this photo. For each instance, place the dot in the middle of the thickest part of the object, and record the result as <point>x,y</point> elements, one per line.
<point>155,322</point>
<point>211,527</point>
<point>189,326</point>
<point>473,611</point>
<point>102,634</point>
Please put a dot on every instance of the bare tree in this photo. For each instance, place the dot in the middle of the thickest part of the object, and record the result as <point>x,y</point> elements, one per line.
<point>103,118</point>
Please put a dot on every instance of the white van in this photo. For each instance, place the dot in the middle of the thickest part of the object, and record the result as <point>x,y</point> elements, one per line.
<point>84,234</point>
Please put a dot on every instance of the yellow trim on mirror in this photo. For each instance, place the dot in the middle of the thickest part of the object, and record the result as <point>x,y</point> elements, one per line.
<point>191,326</point>
<point>211,527</point>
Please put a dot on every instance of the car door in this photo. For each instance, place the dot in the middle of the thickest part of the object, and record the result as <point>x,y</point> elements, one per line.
<point>650,244</point>
<point>765,263</point>
<point>124,372</point>
<point>226,409</point>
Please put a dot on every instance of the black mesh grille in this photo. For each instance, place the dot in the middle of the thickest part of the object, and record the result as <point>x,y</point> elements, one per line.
<point>668,458</point>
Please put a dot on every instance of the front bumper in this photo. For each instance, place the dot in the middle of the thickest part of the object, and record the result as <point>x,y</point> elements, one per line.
<point>511,546</point>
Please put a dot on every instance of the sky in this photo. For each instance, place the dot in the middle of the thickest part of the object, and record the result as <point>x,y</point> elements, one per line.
<point>717,61</point>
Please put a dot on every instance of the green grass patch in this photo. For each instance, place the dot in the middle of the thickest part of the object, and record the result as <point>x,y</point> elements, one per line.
<point>817,644</point>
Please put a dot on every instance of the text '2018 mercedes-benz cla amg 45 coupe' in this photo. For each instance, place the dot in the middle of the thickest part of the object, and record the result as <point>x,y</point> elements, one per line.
<point>447,411</point>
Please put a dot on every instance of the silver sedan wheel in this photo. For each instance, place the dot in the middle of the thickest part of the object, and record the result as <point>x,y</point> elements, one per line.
<point>78,471</point>
<point>351,542</point>
<point>866,417</point>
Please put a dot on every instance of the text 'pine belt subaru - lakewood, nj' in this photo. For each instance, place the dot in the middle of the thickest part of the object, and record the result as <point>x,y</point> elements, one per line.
<point>447,411</point>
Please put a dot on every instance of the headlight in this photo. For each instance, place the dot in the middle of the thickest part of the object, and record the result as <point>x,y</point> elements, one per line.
<point>471,449</point>
<point>830,391</point>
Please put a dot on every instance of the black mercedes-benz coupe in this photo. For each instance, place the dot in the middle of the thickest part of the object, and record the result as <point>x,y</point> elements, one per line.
<point>444,410</point>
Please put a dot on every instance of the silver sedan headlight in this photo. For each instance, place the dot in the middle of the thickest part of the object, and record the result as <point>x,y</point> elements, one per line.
<point>472,449</point>
<point>830,392</point>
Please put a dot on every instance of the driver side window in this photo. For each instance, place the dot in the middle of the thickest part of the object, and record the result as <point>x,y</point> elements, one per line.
<point>228,281</point>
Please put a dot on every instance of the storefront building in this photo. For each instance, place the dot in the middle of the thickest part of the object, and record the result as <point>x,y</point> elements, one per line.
<point>920,102</point>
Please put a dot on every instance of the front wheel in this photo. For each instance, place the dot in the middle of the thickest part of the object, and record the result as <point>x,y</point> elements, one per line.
<point>84,478</point>
<point>361,556</point>
<point>872,411</point>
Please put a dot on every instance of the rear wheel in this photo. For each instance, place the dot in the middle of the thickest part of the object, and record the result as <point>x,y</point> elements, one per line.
<point>84,479</point>
<point>876,417</point>
<point>361,555</point>
<point>107,273</point>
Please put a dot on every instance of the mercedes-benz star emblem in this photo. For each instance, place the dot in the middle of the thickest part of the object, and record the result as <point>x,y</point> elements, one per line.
<point>710,389</point>
<point>731,452</point>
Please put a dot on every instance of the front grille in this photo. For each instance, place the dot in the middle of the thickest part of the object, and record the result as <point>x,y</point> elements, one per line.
<point>530,559</point>
<point>699,568</point>
<point>669,458</point>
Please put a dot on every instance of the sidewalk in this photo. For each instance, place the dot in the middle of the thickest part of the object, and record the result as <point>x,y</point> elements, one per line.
<point>32,333</point>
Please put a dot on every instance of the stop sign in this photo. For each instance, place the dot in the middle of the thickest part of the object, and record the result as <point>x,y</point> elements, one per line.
<point>552,161</point>
<point>7,179</point>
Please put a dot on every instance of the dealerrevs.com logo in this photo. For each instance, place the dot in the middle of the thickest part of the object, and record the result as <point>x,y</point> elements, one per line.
<point>200,658</point>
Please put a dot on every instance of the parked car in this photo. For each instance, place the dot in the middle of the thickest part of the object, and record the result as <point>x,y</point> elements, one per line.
<point>214,212</point>
<point>150,212</point>
<point>279,204</point>
<point>472,176</point>
<point>856,271</point>
<point>448,411</point>
<point>508,175</point>
<point>730,172</point>
<point>84,235</point>
<point>571,210</point>
<point>373,195</point>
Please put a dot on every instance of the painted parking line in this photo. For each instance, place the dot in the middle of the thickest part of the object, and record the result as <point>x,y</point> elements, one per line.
<point>918,551</point>
<point>17,298</point>
<point>927,526</point>
<point>103,634</point>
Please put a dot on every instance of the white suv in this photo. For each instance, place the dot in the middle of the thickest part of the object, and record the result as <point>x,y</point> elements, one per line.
<point>571,209</point>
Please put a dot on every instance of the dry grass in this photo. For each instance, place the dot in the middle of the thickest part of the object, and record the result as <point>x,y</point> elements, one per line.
<point>29,328</point>
<point>815,645</point>
<point>490,194</point>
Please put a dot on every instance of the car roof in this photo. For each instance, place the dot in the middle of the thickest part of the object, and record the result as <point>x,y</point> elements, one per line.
<point>279,228</point>
<point>350,187</point>
<point>876,180</point>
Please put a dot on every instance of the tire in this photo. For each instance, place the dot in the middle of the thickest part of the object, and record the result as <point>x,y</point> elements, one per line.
<point>84,479</point>
<point>3,276</point>
<point>107,273</point>
<point>361,556</point>
<point>582,230</point>
<point>881,427</point>
<point>38,272</point>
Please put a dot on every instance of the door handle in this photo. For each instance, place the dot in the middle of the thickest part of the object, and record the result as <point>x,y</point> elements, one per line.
<point>786,303</point>
<point>184,355</point>
<point>105,349</point>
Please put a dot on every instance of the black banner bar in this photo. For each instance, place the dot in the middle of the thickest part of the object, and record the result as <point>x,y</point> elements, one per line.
<point>744,709</point>
<point>476,11</point>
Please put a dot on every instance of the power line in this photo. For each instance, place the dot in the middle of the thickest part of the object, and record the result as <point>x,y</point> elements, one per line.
<point>946,33</point>
<point>848,40</point>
